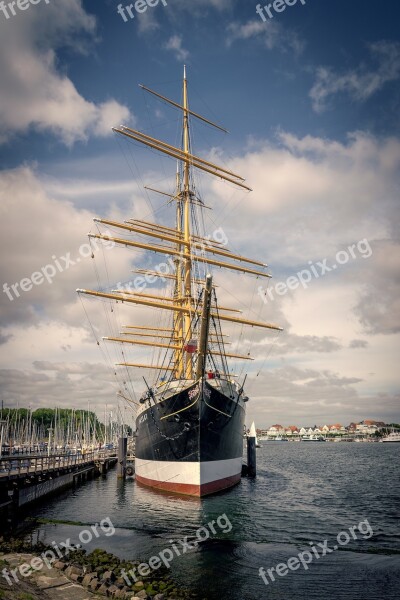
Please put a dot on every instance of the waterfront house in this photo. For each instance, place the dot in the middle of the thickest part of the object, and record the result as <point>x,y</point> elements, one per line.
<point>276,430</point>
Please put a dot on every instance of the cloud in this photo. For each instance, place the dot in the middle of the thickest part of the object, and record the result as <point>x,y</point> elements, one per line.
<point>358,344</point>
<point>271,35</point>
<point>320,194</point>
<point>36,94</point>
<point>197,9</point>
<point>4,338</point>
<point>312,197</point>
<point>175,45</point>
<point>307,396</point>
<point>72,386</point>
<point>291,343</point>
<point>39,229</point>
<point>147,22</point>
<point>360,83</point>
<point>378,307</point>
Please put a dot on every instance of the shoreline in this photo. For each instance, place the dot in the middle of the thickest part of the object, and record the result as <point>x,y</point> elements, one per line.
<point>84,575</point>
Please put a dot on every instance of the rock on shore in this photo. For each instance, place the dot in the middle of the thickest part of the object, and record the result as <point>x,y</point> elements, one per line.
<point>85,576</point>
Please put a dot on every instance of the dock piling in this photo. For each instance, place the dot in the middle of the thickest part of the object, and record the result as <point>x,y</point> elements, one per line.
<point>251,452</point>
<point>122,454</point>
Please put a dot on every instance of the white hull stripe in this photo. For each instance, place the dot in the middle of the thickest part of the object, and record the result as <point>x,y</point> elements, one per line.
<point>190,473</point>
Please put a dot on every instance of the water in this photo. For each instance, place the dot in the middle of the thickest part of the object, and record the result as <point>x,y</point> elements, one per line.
<point>303,493</point>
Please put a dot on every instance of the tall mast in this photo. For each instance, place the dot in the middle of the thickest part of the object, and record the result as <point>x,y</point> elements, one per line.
<point>186,228</point>
<point>204,329</point>
<point>178,324</point>
<point>179,243</point>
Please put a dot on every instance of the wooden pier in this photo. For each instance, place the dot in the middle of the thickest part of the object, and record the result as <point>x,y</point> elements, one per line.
<point>28,478</point>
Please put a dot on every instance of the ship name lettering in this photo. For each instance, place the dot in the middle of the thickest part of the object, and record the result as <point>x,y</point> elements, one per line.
<point>192,393</point>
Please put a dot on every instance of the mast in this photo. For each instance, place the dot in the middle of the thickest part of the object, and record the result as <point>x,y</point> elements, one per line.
<point>204,328</point>
<point>185,250</point>
<point>186,229</point>
<point>178,355</point>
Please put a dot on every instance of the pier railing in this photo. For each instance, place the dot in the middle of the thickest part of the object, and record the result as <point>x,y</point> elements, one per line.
<point>28,464</point>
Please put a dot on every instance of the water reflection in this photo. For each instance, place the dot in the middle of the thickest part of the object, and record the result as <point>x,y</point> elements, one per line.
<point>301,493</point>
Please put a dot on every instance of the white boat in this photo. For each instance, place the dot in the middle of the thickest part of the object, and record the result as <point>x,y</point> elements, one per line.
<point>394,436</point>
<point>258,445</point>
<point>313,438</point>
<point>279,438</point>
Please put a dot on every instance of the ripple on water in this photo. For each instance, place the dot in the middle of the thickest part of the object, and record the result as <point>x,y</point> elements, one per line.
<point>303,493</point>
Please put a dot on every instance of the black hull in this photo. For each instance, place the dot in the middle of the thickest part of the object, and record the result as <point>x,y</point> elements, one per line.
<point>192,441</point>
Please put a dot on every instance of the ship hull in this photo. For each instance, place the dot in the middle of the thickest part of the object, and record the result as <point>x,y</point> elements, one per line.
<point>191,442</point>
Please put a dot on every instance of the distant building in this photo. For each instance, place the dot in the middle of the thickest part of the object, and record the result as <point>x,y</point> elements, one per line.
<point>367,427</point>
<point>276,430</point>
<point>291,431</point>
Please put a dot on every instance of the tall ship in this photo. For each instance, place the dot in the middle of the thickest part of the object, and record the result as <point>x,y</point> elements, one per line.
<point>191,415</point>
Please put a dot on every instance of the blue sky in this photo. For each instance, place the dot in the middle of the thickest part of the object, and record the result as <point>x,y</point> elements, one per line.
<point>311,100</point>
<point>251,88</point>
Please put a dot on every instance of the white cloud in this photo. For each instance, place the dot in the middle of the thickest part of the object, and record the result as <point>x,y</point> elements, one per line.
<point>198,9</point>
<point>360,83</point>
<point>379,304</point>
<point>36,227</point>
<point>175,45</point>
<point>318,195</point>
<point>72,385</point>
<point>271,34</point>
<point>36,94</point>
<point>336,359</point>
<point>313,197</point>
<point>147,22</point>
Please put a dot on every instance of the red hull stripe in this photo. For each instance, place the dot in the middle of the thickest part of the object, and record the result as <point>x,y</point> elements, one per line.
<point>191,489</point>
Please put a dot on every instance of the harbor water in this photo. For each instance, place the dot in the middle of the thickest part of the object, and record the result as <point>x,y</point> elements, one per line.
<point>303,493</point>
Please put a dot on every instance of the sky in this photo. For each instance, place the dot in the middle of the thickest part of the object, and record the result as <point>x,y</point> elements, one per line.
<point>311,100</point>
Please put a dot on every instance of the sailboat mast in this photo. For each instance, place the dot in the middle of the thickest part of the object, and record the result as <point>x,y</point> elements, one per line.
<point>186,228</point>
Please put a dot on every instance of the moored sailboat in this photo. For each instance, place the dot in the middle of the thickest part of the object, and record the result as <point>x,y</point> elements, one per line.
<point>190,420</point>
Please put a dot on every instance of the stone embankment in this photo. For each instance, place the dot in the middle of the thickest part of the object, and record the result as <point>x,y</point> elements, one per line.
<point>82,577</point>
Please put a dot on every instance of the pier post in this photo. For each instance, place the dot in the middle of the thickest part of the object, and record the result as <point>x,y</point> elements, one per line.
<point>122,453</point>
<point>251,452</point>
